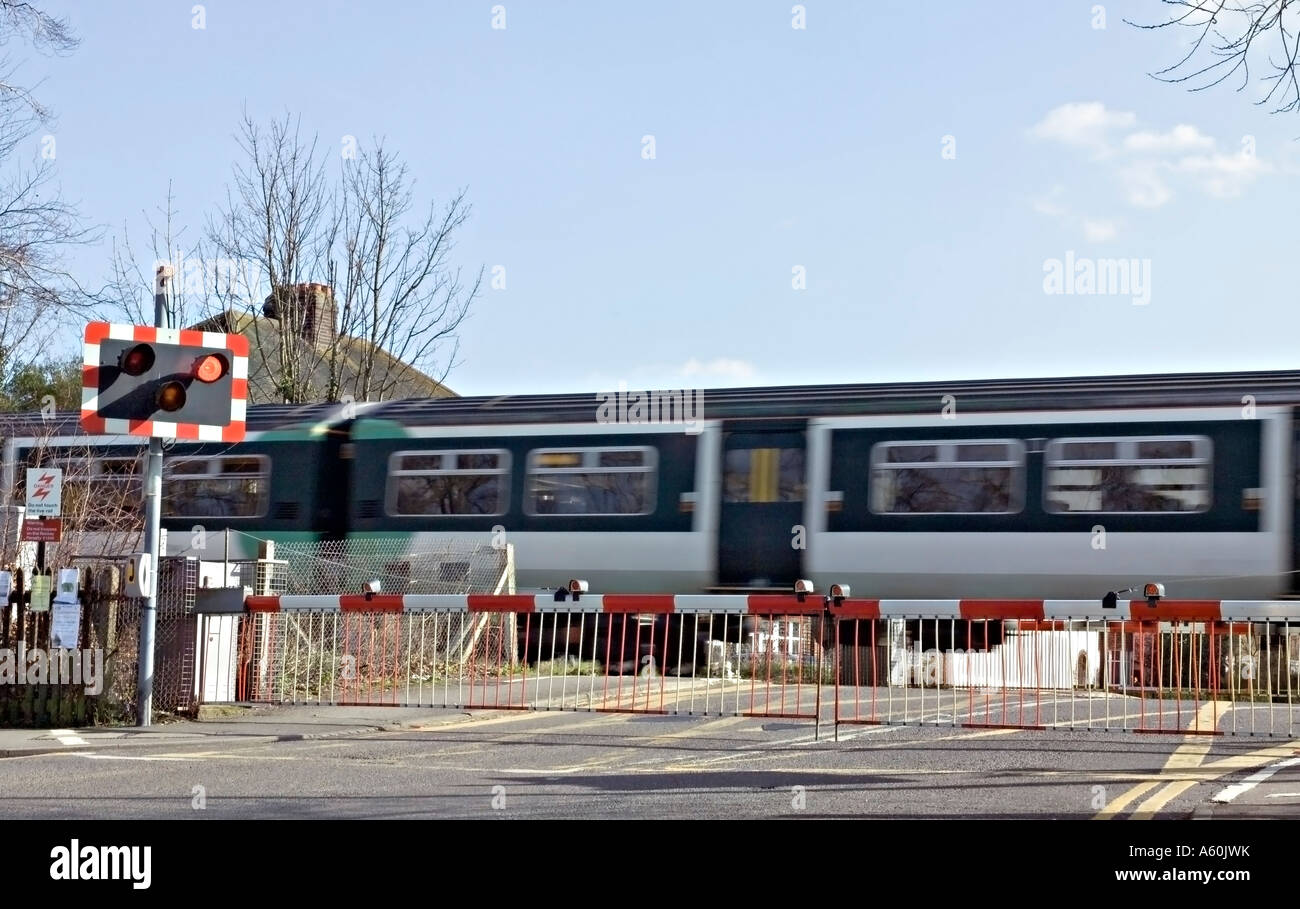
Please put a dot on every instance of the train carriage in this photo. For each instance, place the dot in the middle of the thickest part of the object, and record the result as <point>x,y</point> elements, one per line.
<point>1025,488</point>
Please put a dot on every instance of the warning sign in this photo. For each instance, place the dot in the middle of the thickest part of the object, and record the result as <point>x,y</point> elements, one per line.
<point>44,492</point>
<point>42,530</point>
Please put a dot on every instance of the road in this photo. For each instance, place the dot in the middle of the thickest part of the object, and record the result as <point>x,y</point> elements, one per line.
<point>588,765</point>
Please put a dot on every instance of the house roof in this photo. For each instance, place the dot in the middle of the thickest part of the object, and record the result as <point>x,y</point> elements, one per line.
<point>395,378</point>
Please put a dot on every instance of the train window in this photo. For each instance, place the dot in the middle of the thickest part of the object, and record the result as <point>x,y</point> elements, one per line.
<point>216,487</point>
<point>975,477</point>
<point>911,454</point>
<point>763,475</point>
<point>591,481</point>
<point>118,469</point>
<point>448,482</point>
<point>1159,474</point>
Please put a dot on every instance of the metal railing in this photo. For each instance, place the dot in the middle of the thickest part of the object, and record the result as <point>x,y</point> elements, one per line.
<point>1207,667</point>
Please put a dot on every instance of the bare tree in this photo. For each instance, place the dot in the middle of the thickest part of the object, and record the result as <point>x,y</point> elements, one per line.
<point>400,293</point>
<point>43,32</point>
<point>382,301</point>
<point>130,290</point>
<point>342,283</point>
<point>1230,35</point>
<point>277,224</point>
<point>36,224</point>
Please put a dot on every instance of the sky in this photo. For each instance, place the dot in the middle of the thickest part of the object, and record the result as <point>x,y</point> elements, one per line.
<point>705,194</point>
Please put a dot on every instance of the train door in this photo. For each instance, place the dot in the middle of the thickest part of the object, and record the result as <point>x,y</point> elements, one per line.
<point>760,534</point>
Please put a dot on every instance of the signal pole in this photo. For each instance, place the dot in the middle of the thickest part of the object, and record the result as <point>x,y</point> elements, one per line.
<point>152,529</point>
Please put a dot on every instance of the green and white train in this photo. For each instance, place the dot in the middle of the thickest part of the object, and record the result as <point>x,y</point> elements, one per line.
<point>1024,488</point>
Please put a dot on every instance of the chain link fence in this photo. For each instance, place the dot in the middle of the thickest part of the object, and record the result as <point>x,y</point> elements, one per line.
<point>107,642</point>
<point>353,659</point>
<point>110,625</point>
<point>400,567</point>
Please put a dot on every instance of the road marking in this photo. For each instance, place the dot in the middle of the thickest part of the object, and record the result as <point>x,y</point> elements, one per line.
<point>177,756</point>
<point>984,733</point>
<point>586,722</point>
<point>1254,758</point>
<point>1188,766</point>
<point>1148,809</point>
<point>850,736</point>
<point>1119,803</point>
<point>1187,756</point>
<point>90,755</point>
<point>770,752</point>
<point>1250,782</point>
<point>68,737</point>
<point>1102,720</point>
<point>588,718</point>
<point>1283,795</point>
<point>706,728</point>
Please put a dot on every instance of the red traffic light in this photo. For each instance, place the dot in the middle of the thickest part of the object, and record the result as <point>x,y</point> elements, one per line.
<point>137,361</point>
<point>211,367</point>
<point>171,397</point>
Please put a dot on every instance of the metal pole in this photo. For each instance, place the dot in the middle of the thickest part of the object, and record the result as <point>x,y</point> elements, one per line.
<point>152,531</point>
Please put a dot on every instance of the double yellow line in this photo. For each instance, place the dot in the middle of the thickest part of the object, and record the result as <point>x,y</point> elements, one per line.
<point>1187,767</point>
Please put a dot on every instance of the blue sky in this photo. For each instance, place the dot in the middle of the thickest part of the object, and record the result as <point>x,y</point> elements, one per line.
<point>775,148</point>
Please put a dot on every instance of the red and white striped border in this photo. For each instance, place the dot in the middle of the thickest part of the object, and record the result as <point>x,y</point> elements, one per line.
<point>145,334</point>
<point>1027,611</point>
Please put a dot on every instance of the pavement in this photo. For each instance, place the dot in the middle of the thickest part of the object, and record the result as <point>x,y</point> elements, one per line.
<point>231,724</point>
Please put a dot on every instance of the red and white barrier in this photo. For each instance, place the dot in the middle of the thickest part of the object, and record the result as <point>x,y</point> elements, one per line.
<point>788,604</point>
<point>1208,666</point>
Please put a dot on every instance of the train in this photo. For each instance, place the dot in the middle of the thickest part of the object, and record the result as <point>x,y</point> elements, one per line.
<point>1016,488</point>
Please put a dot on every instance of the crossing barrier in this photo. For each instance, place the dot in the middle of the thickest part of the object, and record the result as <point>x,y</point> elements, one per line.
<point>1143,665</point>
<point>706,655</point>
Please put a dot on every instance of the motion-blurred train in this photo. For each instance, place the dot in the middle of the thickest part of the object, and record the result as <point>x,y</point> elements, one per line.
<point>1022,488</point>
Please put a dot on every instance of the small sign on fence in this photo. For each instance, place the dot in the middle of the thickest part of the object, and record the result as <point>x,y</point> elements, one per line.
<point>65,624</point>
<point>42,530</point>
<point>40,601</point>
<point>44,492</point>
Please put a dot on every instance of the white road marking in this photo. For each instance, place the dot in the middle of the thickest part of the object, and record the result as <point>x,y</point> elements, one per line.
<point>1250,782</point>
<point>68,737</point>
<point>131,757</point>
<point>1283,795</point>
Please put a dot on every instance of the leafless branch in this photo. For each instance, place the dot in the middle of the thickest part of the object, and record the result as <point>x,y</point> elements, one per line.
<point>1230,37</point>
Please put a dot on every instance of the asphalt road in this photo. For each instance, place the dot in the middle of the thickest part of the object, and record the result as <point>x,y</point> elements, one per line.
<point>583,765</point>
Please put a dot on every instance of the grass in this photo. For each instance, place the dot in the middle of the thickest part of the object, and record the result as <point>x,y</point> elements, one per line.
<point>565,667</point>
<point>786,673</point>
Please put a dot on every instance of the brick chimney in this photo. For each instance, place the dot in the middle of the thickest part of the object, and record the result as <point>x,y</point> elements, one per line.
<point>318,308</point>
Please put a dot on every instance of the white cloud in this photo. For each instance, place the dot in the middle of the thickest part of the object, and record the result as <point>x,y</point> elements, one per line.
<point>1098,230</point>
<point>1182,138</point>
<point>1084,124</point>
<point>1094,230</point>
<point>721,367</point>
<point>1223,175</point>
<point>1144,187</point>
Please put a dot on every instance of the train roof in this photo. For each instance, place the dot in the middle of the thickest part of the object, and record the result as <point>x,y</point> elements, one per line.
<point>260,418</point>
<point>1226,389</point>
<point>996,395</point>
